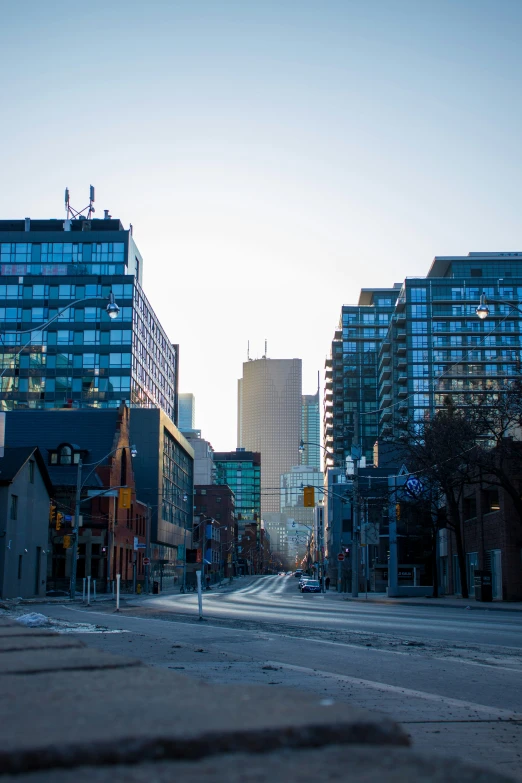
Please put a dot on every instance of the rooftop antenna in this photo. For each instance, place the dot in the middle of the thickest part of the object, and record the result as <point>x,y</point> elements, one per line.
<point>318,382</point>
<point>74,214</point>
<point>264,357</point>
<point>248,350</point>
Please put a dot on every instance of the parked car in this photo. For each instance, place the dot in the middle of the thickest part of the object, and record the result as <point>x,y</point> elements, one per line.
<point>303,581</point>
<point>311,586</point>
<point>298,572</point>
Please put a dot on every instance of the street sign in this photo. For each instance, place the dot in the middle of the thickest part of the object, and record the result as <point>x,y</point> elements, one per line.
<point>340,556</point>
<point>139,545</point>
<point>146,561</point>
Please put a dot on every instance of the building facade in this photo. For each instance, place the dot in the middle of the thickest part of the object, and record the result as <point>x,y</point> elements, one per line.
<point>100,439</point>
<point>270,420</point>
<point>241,471</point>
<point>311,431</point>
<point>25,489</point>
<point>164,475</point>
<point>351,374</point>
<point>187,412</point>
<point>82,358</point>
<point>436,345</point>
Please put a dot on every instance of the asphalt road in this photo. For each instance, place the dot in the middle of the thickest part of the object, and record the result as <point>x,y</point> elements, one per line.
<point>451,676</point>
<point>278,599</point>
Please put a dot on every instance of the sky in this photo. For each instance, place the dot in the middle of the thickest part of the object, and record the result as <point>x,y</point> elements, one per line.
<point>273,157</point>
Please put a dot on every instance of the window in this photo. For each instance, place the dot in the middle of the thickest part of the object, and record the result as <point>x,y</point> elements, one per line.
<point>418,294</point>
<point>419,311</point>
<point>14,507</point>
<point>64,455</point>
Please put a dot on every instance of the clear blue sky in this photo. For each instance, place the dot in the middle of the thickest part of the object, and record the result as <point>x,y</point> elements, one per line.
<point>273,157</point>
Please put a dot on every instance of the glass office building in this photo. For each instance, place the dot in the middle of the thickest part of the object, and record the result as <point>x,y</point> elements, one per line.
<point>83,358</point>
<point>351,374</point>
<point>241,471</point>
<point>437,346</point>
<point>311,428</point>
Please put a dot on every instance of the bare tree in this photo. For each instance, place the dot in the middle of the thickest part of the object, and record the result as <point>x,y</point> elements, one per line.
<point>439,451</point>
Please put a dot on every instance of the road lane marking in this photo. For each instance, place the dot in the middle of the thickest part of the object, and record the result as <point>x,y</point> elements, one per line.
<point>385,688</point>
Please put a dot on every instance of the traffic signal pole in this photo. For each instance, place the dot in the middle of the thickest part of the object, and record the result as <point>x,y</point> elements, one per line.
<point>76,530</point>
<point>355,507</point>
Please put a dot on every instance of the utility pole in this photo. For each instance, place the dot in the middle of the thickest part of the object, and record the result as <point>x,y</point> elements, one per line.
<point>76,530</point>
<point>356,454</point>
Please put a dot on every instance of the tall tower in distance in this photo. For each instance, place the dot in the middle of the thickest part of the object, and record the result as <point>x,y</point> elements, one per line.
<point>270,420</point>
<point>187,412</point>
<point>311,430</point>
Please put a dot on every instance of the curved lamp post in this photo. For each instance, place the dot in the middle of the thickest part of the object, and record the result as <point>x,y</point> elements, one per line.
<point>112,309</point>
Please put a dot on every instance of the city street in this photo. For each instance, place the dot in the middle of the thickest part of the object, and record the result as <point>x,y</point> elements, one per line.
<point>451,676</point>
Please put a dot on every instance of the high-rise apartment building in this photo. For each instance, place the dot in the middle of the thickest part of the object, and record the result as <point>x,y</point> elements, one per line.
<point>83,358</point>
<point>311,431</point>
<point>269,420</point>
<point>187,412</point>
<point>436,345</point>
<point>351,374</point>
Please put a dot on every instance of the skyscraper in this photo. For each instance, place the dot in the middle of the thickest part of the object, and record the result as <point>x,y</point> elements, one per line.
<point>311,431</point>
<point>83,358</point>
<point>187,412</point>
<point>269,420</point>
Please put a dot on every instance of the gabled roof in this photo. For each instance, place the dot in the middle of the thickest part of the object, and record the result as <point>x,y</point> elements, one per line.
<point>14,460</point>
<point>91,430</point>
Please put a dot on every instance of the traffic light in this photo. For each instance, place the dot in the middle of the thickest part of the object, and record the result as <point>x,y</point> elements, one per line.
<point>52,513</point>
<point>124,498</point>
<point>309,497</point>
<point>59,519</point>
<point>397,511</point>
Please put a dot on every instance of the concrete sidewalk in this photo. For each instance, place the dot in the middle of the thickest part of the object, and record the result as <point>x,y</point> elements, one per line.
<point>71,713</point>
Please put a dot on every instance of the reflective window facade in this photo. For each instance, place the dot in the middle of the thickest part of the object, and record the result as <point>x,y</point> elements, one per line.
<point>80,357</point>
<point>352,374</point>
<point>437,346</point>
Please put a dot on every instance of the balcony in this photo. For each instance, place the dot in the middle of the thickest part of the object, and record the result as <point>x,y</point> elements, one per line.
<point>386,430</point>
<point>403,406</point>
<point>403,422</point>
<point>401,362</point>
<point>401,349</point>
<point>386,386</point>
<point>384,358</point>
<point>400,318</point>
<point>400,334</point>
<point>402,391</point>
<point>385,373</point>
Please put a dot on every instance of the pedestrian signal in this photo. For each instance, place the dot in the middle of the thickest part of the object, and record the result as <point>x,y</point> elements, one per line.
<point>309,497</point>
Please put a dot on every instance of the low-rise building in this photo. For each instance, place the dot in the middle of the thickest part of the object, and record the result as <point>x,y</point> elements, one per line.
<point>25,489</point>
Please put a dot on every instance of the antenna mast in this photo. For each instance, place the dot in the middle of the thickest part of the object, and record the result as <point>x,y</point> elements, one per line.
<point>73,214</point>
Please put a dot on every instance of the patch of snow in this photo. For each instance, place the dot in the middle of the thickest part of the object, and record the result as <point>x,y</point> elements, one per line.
<point>33,620</point>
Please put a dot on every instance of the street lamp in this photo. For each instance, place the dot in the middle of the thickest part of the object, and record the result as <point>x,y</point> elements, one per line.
<point>112,311</point>
<point>75,532</point>
<point>483,309</point>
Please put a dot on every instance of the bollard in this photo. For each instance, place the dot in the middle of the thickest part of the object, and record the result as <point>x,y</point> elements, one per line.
<point>94,584</point>
<point>88,591</point>
<point>118,577</point>
<point>200,595</point>
<point>83,594</point>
